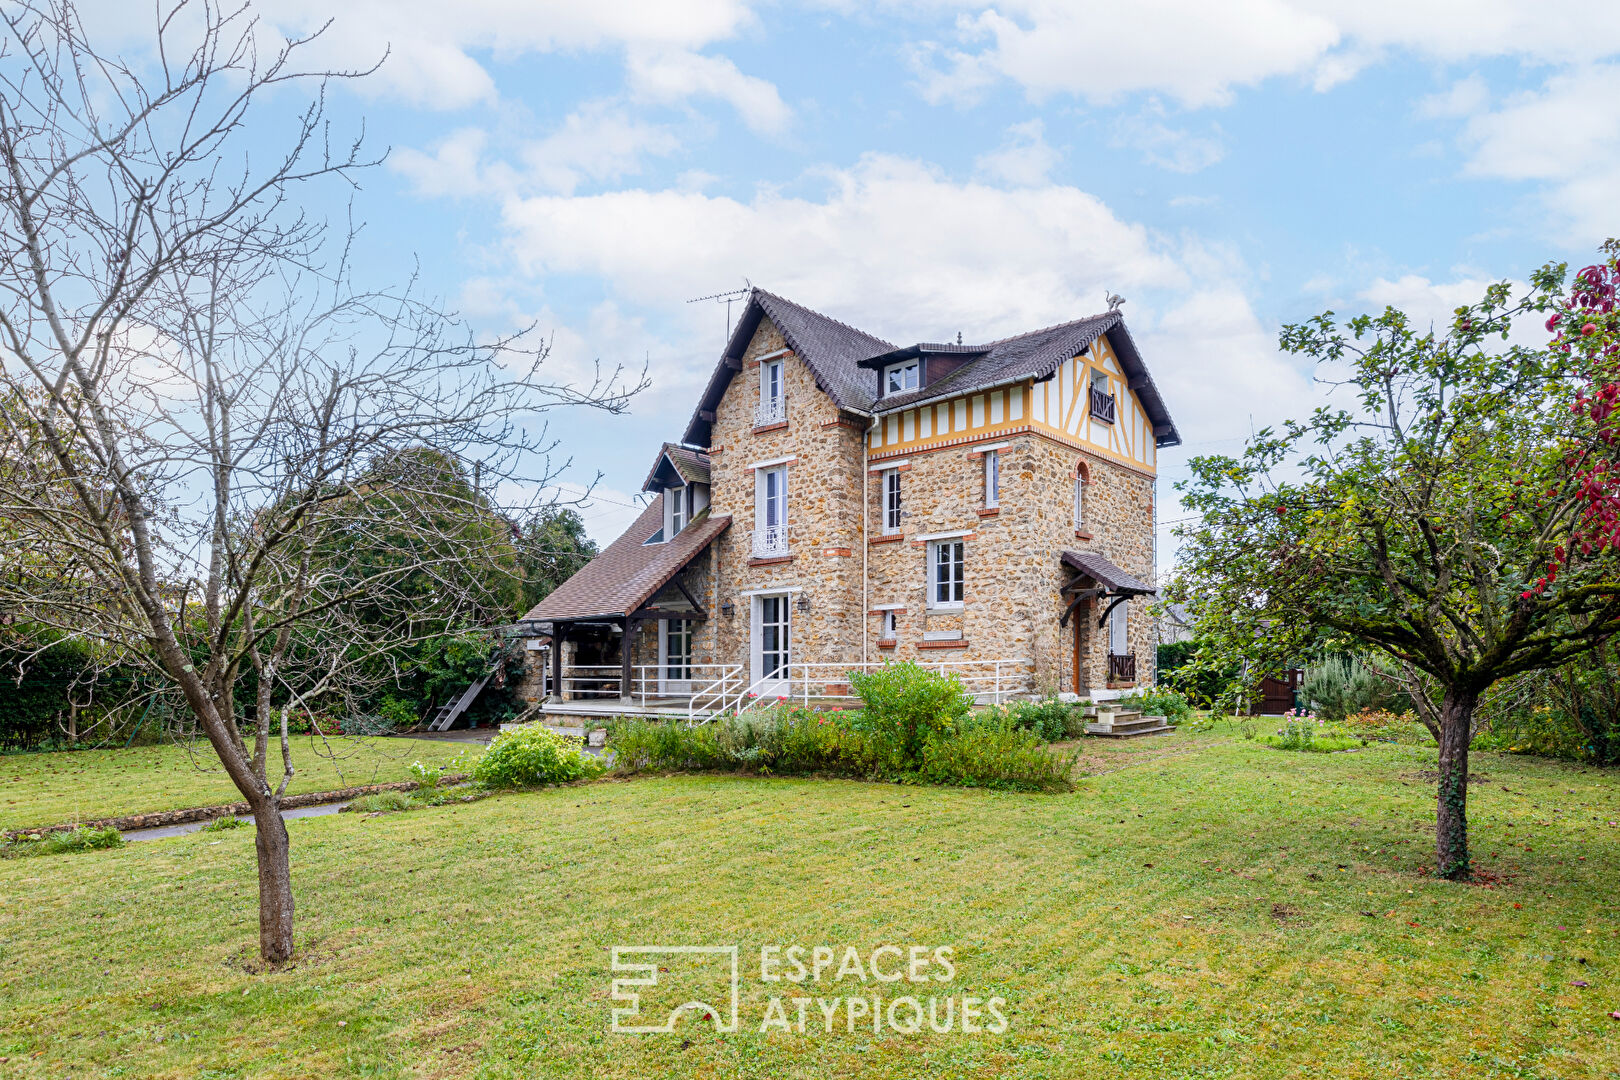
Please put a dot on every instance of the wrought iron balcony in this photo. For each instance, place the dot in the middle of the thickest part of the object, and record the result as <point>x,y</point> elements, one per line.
<point>1102,406</point>
<point>770,541</point>
<point>771,411</point>
<point>1121,668</point>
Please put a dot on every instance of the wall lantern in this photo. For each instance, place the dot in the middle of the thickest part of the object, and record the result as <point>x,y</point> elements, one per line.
<point>802,604</point>
<point>728,609</point>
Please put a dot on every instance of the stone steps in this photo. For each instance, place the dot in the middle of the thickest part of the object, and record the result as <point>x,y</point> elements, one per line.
<point>1128,724</point>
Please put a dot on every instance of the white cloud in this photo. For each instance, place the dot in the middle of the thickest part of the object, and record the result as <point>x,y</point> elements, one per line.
<point>1194,51</point>
<point>667,77</point>
<point>1219,367</point>
<point>432,45</point>
<point>1566,135</point>
<point>899,249</point>
<point>1465,97</point>
<point>1199,53</point>
<point>1023,159</point>
<point>1175,149</point>
<point>894,246</point>
<point>600,141</point>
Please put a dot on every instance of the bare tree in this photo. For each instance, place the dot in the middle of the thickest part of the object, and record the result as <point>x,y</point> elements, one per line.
<point>248,453</point>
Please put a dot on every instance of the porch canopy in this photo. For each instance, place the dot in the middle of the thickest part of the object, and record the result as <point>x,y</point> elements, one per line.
<point>1109,583</point>
<point>618,586</point>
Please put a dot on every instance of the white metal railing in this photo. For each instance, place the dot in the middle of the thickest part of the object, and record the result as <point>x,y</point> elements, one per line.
<point>988,682</point>
<point>711,698</point>
<point>720,688</point>
<point>770,541</point>
<point>648,682</point>
<point>771,411</point>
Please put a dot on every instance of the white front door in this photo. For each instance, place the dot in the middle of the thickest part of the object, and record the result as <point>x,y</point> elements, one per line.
<point>772,644</point>
<point>674,656</point>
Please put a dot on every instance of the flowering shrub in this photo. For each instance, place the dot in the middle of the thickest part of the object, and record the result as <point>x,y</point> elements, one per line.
<point>534,754</point>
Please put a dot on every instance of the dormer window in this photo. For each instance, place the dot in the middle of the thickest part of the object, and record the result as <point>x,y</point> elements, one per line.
<point>676,498</point>
<point>898,378</point>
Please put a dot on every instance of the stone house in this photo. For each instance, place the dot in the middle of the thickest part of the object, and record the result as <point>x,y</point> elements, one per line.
<point>837,501</point>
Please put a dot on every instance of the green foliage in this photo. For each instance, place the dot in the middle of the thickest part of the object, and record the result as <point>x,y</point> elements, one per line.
<point>532,755</point>
<point>1572,713</point>
<point>63,842</point>
<point>1159,701</point>
<point>905,704</point>
<point>986,749</point>
<point>551,548</point>
<point>1341,685</point>
<point>786,739</point>
<point>383,802</point>
<point>992,749</point>
<point>224,824</point>
<point>426,776</point>
<point>1424,531</point>
<point>1305,736</point>
<point>1202,678</point>
<point>1049,718</point>
<point>46,676</point>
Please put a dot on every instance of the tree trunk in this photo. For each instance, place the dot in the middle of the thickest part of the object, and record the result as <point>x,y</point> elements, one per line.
<point>1451,820</point>
<point>275,882</point>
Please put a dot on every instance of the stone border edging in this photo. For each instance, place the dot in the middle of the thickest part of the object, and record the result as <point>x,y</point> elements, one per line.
<point>159,818</point>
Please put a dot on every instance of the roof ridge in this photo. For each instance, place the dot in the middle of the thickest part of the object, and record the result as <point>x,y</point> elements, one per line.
<point>1049,329</point>
<point>823,317</point>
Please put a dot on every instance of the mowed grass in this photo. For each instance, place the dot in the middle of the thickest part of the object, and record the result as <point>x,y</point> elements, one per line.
<point>86,785</point>
<point>1200,907</point>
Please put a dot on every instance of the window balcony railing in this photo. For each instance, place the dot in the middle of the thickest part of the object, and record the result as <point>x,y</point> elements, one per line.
<point>1121,668</point>
<point>1102,406</point>
<point>770,541</point>
<point>770,411</point>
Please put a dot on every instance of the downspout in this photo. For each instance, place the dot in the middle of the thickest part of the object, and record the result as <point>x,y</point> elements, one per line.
<point>866,539</point>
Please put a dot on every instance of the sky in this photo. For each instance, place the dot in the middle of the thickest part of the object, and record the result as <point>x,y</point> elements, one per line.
<point>920,169</point>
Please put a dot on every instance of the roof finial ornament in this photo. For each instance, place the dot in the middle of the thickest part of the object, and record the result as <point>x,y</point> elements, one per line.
<point>1114,300</point>
<point>959,337</point>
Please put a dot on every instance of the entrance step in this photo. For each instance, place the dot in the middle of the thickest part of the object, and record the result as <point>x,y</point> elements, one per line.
<point>1128,725</point>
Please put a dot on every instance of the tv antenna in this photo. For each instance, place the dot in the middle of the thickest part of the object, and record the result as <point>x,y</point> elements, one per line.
<point>726,298</point>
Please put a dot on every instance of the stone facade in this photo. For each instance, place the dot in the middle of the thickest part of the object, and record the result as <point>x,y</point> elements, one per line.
<point>1012,571</point>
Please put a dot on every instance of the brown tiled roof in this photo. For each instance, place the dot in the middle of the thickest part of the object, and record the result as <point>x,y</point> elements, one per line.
<point>691,465</point>
<point>1106,573</point>
<point>830,349</point>
<point>844,362</point>
<point>631,571</point>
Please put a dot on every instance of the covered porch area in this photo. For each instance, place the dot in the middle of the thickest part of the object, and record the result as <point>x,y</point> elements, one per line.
<point>1103,662</point>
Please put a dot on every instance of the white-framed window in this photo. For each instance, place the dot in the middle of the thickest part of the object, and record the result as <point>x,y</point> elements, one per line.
<point>890,626</point>
<point>1117,643</point>
<point>891,502</point>
<point>678,501</point>
<point>992,478</point>
<point>1079,503</point>
<point>945,573</point>
<point>770,512</point>
<point>898,378</point>
<point>772,394</point>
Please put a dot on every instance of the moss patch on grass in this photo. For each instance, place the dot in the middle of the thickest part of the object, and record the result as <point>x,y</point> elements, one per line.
<point>1220,911</point>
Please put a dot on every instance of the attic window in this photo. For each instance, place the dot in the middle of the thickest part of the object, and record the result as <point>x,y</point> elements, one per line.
<point>898,378</point>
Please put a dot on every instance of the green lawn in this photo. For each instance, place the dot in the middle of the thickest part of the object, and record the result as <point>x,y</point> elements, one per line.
<point>1200,907</point>
<point>50,789</point>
